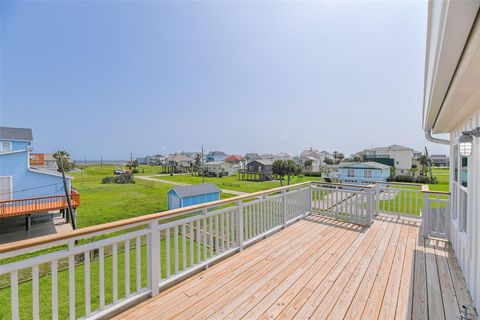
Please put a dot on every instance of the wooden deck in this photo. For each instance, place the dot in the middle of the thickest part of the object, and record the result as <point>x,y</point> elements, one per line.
<point>323,269</point>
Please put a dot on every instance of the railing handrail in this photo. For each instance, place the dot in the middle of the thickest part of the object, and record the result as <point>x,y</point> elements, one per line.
<point>363,186</point>
<point>136,220</point>
<point>73,192</point>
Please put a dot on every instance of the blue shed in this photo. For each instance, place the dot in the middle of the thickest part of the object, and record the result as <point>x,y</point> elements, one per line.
<point>363,172</point>
<point>184,196</point>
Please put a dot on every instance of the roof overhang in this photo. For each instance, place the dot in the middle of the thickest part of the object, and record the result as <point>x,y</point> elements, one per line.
<point>452,64</point>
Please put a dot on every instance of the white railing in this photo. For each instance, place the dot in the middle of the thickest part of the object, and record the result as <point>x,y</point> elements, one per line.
<point>94,272</point>
<point>436,214</point>
<point>91,274</point>
<point>400,199</point>
<point>350,203</point>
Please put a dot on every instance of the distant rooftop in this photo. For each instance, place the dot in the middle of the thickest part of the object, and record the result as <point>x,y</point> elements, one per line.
<point>9,133</point>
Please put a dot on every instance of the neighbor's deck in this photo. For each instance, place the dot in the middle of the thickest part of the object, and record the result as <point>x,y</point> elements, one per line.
<point>321,268</point>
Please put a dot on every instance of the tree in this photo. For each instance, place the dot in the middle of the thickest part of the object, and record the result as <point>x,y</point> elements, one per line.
<point>292,169</point>
<point>357,159</point>
<point>64,157</point>
<point>424,164</point>
<point>279,169</point>
<point>197,165</point>
<point>340,156</point>
<point>132,164</point>
<point>328,161</point>
<point>308,164</point>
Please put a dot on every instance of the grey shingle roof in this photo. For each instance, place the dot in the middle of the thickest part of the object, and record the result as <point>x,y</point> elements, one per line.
<point>360,165</point>
<point>8,133</point>
<point>195,189</point>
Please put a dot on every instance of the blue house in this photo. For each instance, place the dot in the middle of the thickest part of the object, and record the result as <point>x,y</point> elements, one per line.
<point>18,180</point>
<point>363,172</point>
<point>184,196</point>
<point>215,156</point>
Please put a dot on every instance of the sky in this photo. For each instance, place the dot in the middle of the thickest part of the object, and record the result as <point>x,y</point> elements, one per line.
<point>113,77</point>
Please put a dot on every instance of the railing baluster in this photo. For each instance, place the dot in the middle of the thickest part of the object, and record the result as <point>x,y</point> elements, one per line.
<point>184,247</point>
<point>115,273</point>
<point>101,272</point>
<point>167,252</point>
<point>210,222</point>
<point>54,270</point>
<point>86,270</point>
<point>138,264</point>
<point>127,268</point>
<point>175,251</point>
<point>222,224</point>
<point>14,294</point>
<point>204,239</point>
<point>154,258</point>
<point>199,250</point>
<point>217,234</point>
<point>71,280</point>
<point>35,293</point>
<point>191,244</point>
<point>227,227</point>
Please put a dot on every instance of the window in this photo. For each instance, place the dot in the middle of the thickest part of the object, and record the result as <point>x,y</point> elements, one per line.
<point>5,146</point>
<point>464,172</point>
<point>367,173</point>
<point>350,173</point>
<point>455,163</point>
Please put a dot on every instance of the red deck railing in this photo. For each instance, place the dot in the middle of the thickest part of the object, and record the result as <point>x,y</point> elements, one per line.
<point>18,207</point>
<point>37,159</point>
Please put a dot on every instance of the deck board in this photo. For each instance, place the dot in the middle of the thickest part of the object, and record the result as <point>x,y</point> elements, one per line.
<point>321,268</point>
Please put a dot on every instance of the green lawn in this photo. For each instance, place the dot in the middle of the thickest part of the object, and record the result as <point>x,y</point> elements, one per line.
<point>101,203</point>
<point>232,182</point>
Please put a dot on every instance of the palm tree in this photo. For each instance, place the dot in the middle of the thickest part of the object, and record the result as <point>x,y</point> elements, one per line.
<point>64,157</point>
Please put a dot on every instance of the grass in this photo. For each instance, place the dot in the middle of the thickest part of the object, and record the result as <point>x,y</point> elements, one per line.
<point>102,203</point>
<point>411,202</point>
<point>45,283</point>
<point>232,182</point>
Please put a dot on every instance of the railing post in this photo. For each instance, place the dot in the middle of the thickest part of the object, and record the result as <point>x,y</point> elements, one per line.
<point>240,224</point>
<point>425,215</point>
<point>154,257</point>
<point>284,208</point>
<point>310,199</point>
<point>370,208</point>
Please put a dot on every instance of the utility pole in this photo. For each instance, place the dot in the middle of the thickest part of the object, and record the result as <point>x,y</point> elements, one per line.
<point>101,161</point>
<point>429,163</point>
<point>85,162</point>
<point>131,157</point>
<point>67,193</point>
<point>203,170</point>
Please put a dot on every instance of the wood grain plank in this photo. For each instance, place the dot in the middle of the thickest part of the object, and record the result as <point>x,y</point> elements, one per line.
<point>420,299</point>
<point>390,299</point>
<point>434,293</point>
<point>207,288</point>
<point>450,303</point>
<point>358,302</point>
<point>405,295</point>
<point>261,291</point>
<point>281,267</point>
<point>327,293</point>
<point>320,278</point>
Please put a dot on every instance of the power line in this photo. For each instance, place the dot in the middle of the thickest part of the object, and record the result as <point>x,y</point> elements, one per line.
<point>27,189</point>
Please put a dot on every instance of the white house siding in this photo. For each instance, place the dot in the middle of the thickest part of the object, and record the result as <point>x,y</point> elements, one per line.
<point>466,244</point>
<point>403,160</point>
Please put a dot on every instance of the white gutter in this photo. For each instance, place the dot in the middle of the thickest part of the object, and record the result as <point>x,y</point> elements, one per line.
<point>428,136</point>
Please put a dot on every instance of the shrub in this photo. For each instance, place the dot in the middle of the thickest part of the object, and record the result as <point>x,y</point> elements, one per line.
<point>312,174</point>
<point>120,179</point>
<point>108,180</point>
